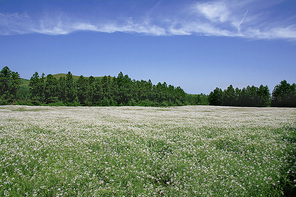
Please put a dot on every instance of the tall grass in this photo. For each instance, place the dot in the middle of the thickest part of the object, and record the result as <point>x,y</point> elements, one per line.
<point>143,151</point>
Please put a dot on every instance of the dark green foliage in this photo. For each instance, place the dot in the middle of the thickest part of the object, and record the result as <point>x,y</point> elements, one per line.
<point>62,89</point>
<point>123,86</point>
<point>215,97</point>
<point>82,86</point>
<point>37,87</point>
<point>197,99</point>
<point>70,89</point>
<point>229,97</point>
<point>9,85</point>
<point>121,90</point>
<point>250,96</point>
<point>284,95</point>
<point>51,89</point>
<point>263,95</point>
<point>101,91</point>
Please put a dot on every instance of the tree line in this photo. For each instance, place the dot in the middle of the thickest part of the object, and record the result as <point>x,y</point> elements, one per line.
<point>283,95</point>
<point>122,90</point>
<point>90,91</point>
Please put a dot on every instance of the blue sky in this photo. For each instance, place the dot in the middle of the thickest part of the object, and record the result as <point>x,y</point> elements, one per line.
<point>195,44</point>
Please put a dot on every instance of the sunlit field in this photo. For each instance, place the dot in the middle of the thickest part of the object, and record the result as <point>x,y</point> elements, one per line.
<point>143,151</point>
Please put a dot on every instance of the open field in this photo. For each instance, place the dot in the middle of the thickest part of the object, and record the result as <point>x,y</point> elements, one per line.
<point>145,151</point>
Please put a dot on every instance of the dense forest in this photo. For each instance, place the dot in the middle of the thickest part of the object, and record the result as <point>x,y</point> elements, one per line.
<point>122,90</point>
<point>249,96</point>
<point>283,95</point>
<point>90,91</point>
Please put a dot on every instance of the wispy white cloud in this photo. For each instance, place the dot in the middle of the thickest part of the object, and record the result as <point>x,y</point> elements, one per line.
<point>233,19</point>
<point>14,23</point>
<point>11,24</point>
<point>272,33</point>
<point>238,24</point>
<point>214,11</point>
<point>213,18</point>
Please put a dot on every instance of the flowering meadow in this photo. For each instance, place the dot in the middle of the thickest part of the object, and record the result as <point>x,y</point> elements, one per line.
<point>146,151</point>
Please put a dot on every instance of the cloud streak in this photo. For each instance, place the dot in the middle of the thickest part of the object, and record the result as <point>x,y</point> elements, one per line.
<point>215,18</point>
<point>214,11</point>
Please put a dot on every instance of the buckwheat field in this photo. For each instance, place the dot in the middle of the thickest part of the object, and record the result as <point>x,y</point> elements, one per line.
<point>143,151</point>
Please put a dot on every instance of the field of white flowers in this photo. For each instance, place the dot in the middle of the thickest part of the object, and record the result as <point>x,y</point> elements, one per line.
<point>143,151</point>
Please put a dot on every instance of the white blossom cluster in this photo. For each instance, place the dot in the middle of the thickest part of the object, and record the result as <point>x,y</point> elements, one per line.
<point>144,151</point>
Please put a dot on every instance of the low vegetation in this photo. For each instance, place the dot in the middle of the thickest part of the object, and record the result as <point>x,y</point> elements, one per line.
<point>145,151</point>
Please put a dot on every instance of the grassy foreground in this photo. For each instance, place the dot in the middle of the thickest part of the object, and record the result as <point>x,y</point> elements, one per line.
<point>145,151</point>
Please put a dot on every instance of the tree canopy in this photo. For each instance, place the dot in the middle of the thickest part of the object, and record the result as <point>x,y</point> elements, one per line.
<point>91,91</point>
<point>122,90</point>
<point>284,94</point>
<point>250,96</point>
<point>9,85</point>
